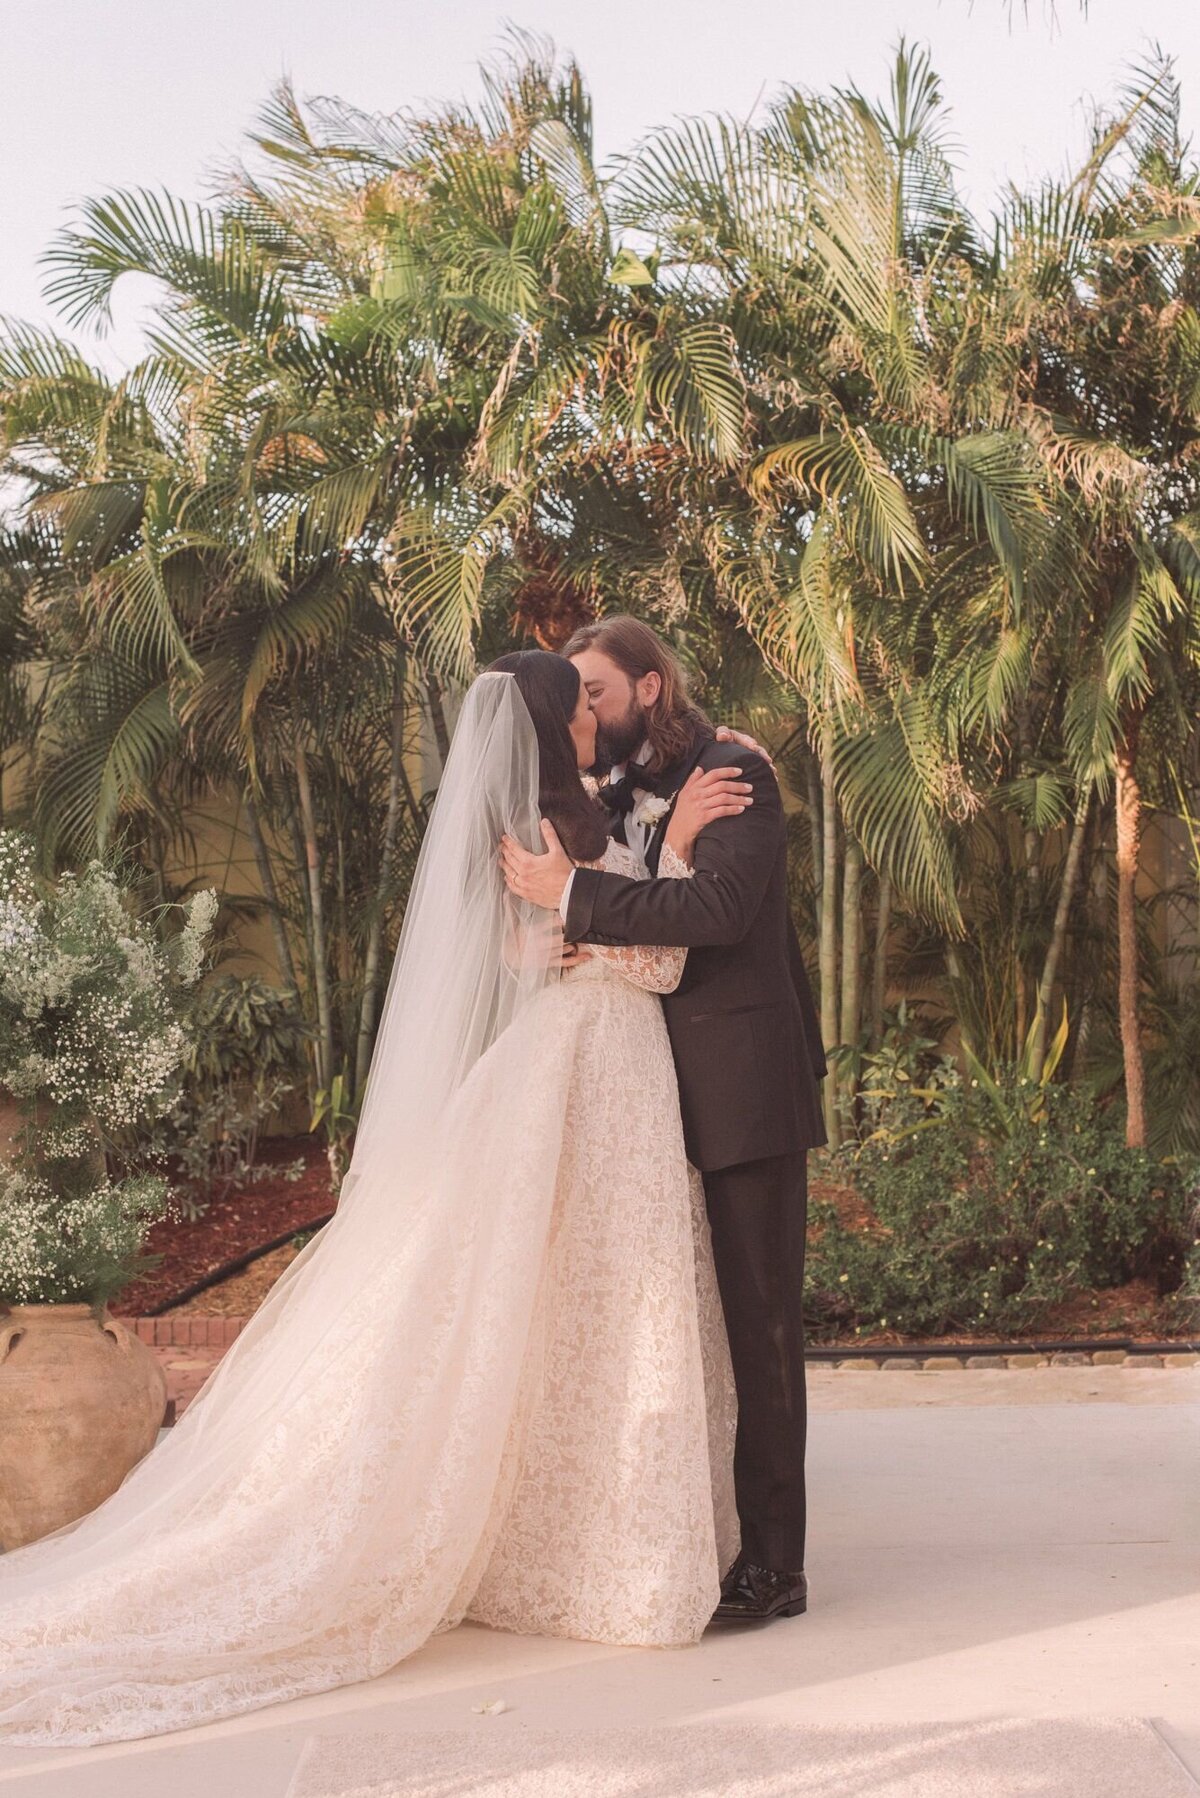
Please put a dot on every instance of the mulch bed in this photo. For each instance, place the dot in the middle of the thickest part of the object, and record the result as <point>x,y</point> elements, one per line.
<point>242,1293</point>
<point>264,1210</point>
<point>273,1207</point>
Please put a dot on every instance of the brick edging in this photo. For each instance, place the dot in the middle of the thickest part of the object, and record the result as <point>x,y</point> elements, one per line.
<point>185,1332</point>
<point>219,1332</point>
<point>1100,1357</point>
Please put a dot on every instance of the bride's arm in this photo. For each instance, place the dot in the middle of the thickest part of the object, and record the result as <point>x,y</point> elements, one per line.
<point>655,966</point>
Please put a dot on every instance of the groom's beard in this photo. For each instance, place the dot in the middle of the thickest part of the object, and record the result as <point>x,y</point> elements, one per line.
<point>616,742</point>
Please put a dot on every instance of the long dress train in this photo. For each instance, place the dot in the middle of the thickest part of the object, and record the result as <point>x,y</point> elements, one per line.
<point>523,1414</point>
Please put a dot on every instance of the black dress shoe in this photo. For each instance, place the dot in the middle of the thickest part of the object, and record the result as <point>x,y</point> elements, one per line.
<point>751,1594</point>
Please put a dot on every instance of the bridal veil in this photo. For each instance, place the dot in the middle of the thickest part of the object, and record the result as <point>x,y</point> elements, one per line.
<point>319,1509</point>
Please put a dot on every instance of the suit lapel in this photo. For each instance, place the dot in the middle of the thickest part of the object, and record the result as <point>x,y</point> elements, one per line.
<point>676,776</point>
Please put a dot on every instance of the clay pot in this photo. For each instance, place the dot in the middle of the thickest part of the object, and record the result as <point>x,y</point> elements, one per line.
<point>81,1401</point>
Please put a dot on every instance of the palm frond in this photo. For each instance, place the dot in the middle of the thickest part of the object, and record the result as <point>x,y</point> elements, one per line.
<point>202,257</point>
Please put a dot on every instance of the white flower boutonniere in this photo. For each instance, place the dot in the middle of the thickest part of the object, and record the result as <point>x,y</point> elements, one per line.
<point>651,810</point>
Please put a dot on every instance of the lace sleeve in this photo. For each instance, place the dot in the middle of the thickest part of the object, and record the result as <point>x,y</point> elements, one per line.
<point>655,966</point>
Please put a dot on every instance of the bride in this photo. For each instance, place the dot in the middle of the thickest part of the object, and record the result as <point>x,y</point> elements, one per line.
<point>496,1386</point>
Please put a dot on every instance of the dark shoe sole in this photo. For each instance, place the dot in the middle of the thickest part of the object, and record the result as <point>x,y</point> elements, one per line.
<point>785,1610</point>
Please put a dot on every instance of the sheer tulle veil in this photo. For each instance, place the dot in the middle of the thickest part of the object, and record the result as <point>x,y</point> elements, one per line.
<point>290,1577</point>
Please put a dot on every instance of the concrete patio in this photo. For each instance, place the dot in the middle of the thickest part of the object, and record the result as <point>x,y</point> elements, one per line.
<point>983,1544</point>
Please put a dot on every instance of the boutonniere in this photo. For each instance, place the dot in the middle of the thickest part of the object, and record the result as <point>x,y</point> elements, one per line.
<point>651,810</point>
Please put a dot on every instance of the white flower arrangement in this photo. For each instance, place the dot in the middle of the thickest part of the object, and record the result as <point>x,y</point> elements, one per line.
<point>92,1037</point>
<point>651,810</point>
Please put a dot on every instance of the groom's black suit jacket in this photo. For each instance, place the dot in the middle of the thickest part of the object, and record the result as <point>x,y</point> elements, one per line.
<point>742,1022</point>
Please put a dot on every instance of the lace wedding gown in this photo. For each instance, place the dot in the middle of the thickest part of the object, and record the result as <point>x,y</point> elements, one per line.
<point>524,1415</point>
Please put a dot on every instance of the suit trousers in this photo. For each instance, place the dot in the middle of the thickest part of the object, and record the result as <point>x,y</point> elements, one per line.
<point>758,1213</point>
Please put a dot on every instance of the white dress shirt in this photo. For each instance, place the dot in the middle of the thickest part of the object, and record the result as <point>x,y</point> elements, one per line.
<point>637,835</point>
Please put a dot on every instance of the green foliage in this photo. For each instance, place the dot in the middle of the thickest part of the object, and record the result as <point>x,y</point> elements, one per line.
<point>246,1054</point>
<point>93,1032</point>
<point>338,1112</point>
<point>243,1028</point>
<point>978,1229</point>
<point>917,492</point>
<point>78,1240</point>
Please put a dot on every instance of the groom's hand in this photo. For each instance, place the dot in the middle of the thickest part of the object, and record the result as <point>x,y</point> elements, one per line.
<point>539,879</point>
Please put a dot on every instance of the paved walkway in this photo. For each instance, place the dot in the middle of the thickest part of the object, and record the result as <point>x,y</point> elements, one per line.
<point>982,1544</point>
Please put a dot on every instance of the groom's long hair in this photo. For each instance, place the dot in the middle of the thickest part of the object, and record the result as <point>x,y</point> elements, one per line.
<point>674,723</point>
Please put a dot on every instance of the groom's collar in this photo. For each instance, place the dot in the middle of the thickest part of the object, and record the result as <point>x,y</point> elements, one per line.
<point>617,771</point>
<point>677,774</point>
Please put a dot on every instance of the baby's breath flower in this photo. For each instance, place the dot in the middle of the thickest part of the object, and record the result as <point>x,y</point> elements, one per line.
<point>91,1044</point>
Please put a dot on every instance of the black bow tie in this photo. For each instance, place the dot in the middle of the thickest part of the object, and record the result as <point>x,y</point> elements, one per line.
<point>619,796</point>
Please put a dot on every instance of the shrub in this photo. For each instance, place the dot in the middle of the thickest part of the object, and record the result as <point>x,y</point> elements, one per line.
<point>989,1202</point>
<point>93,1032</point>
<point>247,1038</point>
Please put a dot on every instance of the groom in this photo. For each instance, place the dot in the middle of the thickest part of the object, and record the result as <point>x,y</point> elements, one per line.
<point>748,1053</point>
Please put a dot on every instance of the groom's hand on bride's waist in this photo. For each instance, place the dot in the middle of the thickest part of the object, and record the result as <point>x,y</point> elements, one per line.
<point>538,879</point>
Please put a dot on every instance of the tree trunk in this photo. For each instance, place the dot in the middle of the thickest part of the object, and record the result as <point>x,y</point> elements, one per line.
<point>342,943</point>
<point>851,942</point>
<point>1024,930</point>
<point>883,918</point>
<point>1028,891</point>
<point>829,968</point>
<point>266,875</point>
<point>437,715</point>
<point>312,860</point>
<point>813,784</point>
<point>1020,1018</point>
<point>1088,970</point>
<point>1129,822</point>
<point>1058,934</point>
<point>397,785</point>
<point>299,862</point>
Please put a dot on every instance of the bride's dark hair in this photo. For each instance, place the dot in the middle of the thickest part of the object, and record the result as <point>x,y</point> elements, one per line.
<point>550,687</point>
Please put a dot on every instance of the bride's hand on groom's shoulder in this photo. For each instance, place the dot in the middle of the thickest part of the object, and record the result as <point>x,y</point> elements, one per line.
<point>706,794</point>
<point>726,735</point>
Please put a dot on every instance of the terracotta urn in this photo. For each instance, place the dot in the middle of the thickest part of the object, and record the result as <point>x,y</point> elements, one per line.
<point>81,1401</point>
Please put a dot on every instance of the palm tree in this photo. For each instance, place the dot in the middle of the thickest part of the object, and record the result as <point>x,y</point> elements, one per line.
<point>424,383</point>
<point>1111,406</point>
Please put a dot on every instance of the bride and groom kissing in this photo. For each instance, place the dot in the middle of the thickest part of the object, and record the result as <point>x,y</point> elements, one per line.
<point>544,1368</point>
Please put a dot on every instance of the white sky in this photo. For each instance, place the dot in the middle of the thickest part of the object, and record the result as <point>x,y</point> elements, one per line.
<point>96,94</point>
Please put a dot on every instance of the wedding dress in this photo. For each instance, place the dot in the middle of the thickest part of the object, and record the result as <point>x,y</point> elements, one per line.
<point>495,1387</point>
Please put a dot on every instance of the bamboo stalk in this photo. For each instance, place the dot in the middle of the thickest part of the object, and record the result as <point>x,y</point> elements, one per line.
<point>266,875</point>
<point>1095,915</point>
<point>437,714</point>
<point>812,782</point>
<point>1028,890</point>
<point>828,954</point>
<point>852,866</point>
<point>302,878</point>
<point>883,918</point>
<point>312,860</point>
<point>397,786</point>
<point>1129,820</point>
<point>1058,934</point>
